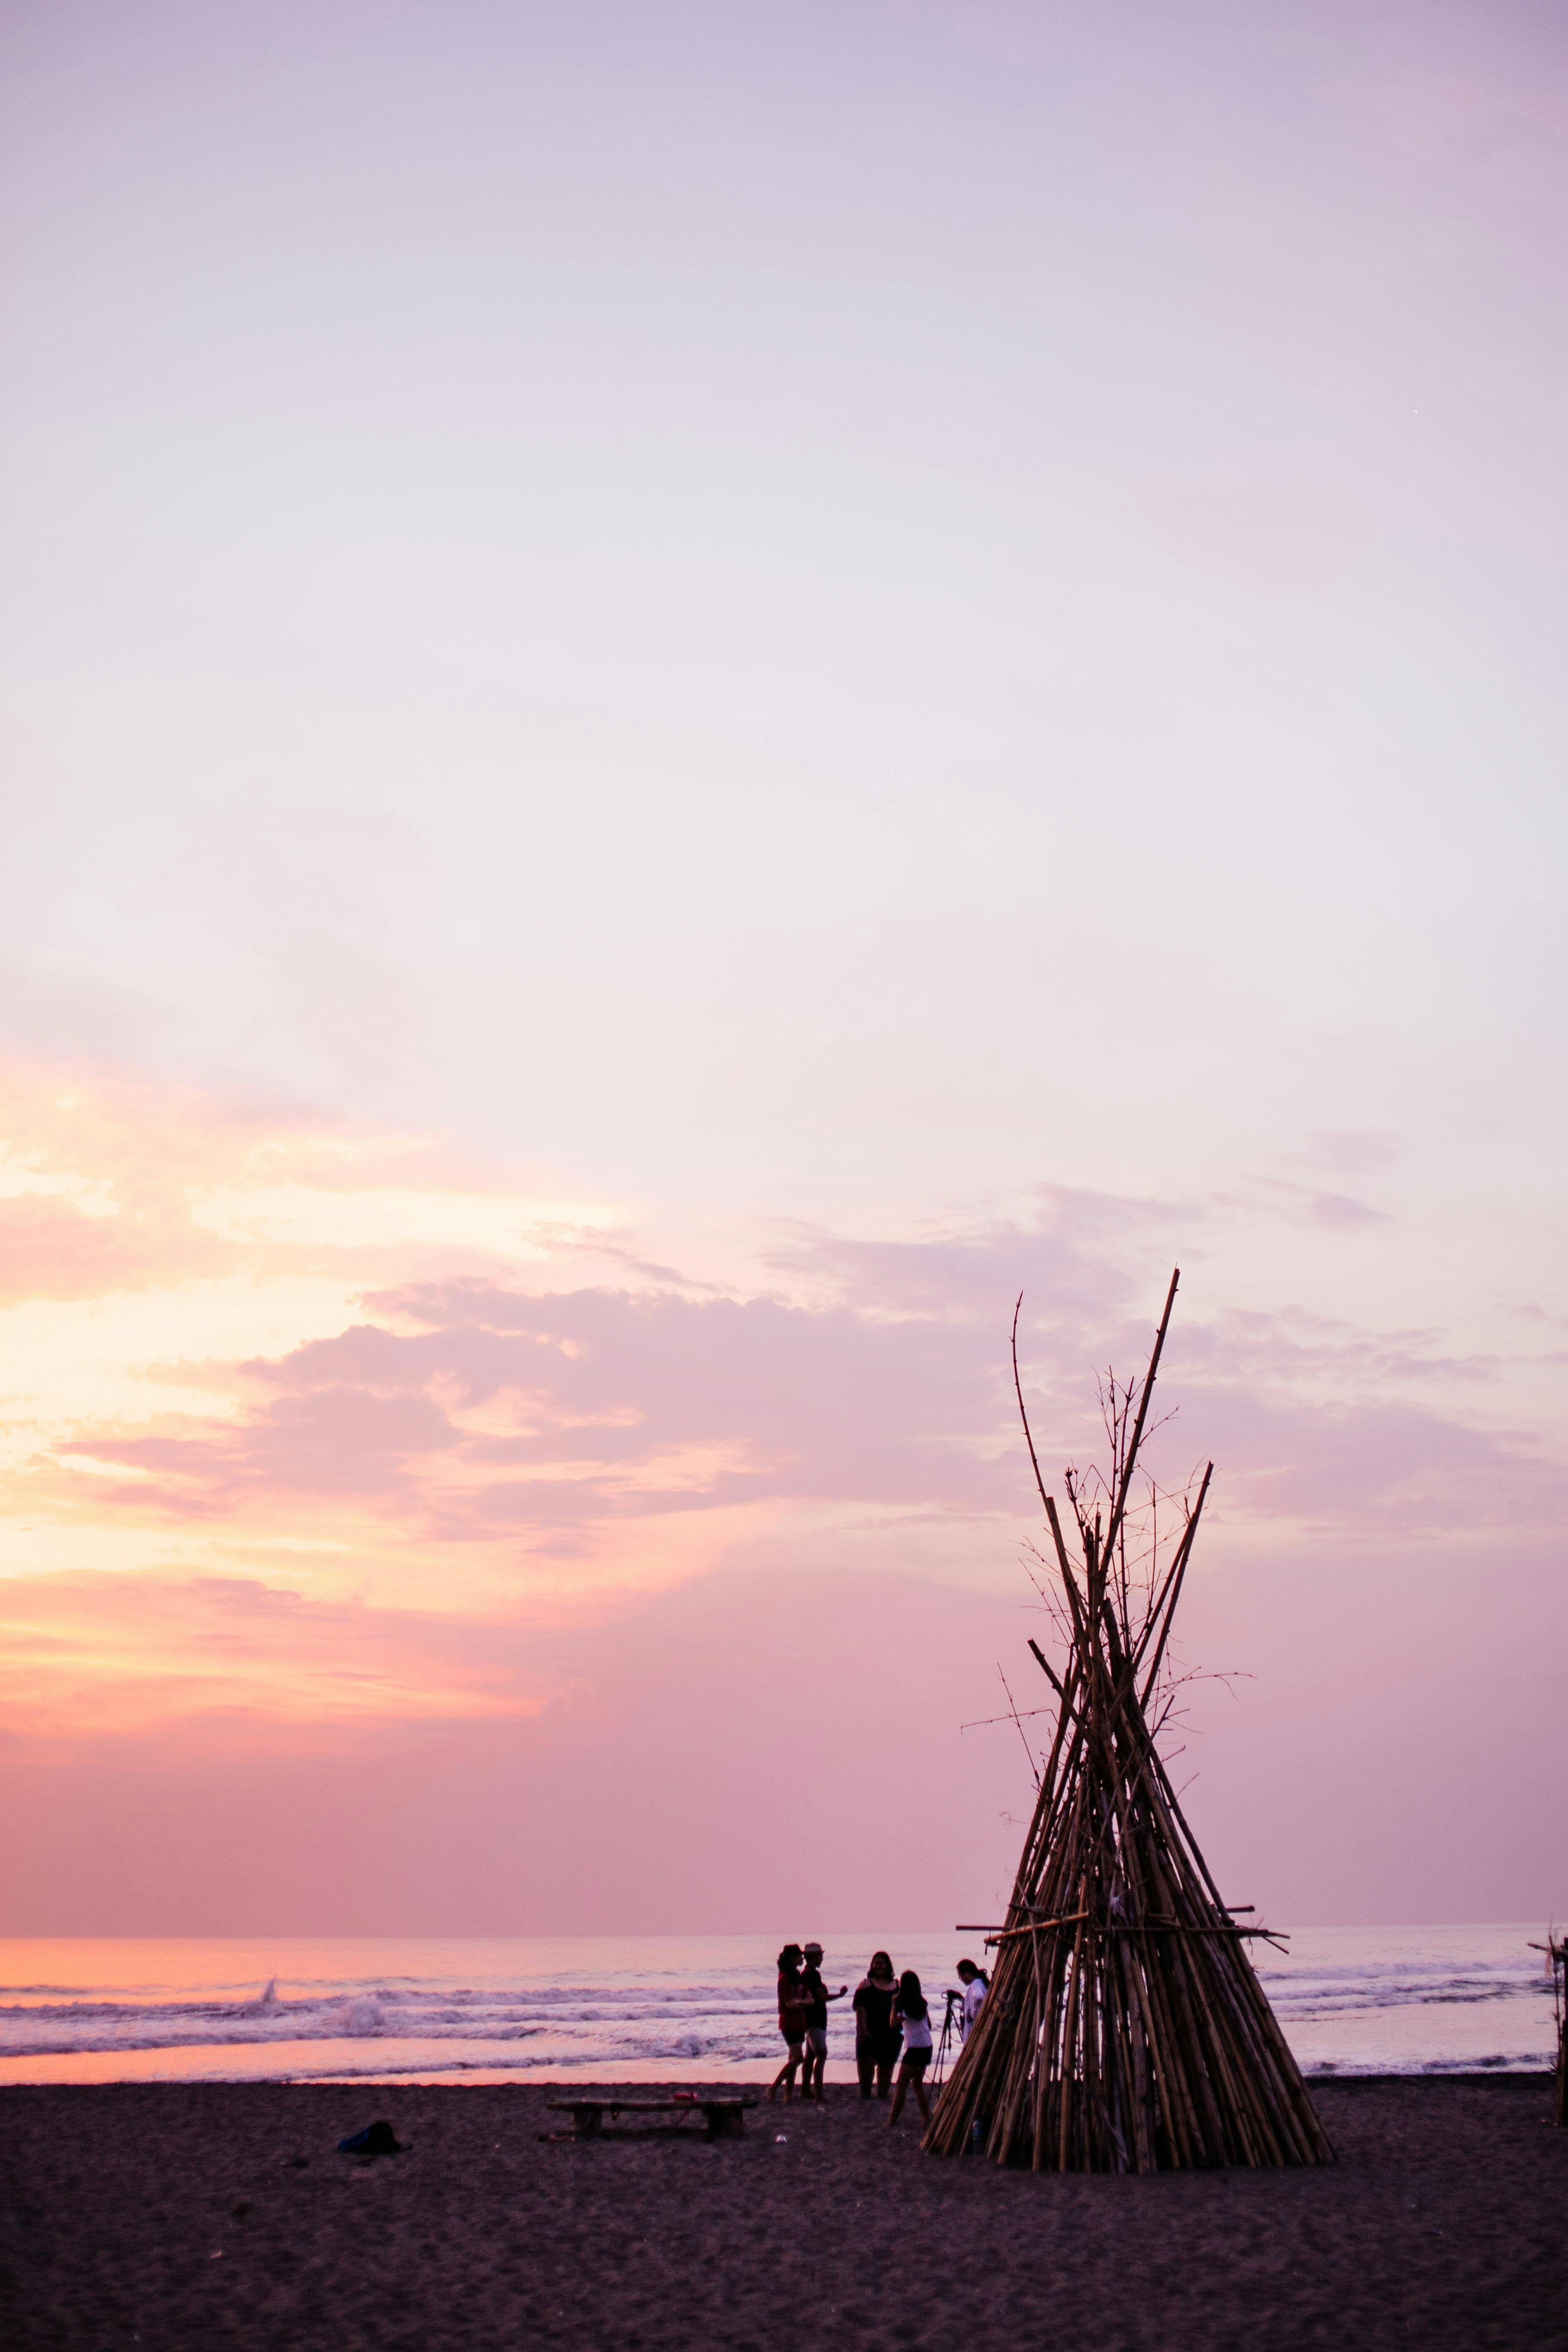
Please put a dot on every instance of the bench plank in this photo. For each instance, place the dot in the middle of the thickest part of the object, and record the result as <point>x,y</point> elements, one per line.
<point>725,2118</point>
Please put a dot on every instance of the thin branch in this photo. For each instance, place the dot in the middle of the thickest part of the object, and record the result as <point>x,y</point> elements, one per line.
<point>1034,1767</point>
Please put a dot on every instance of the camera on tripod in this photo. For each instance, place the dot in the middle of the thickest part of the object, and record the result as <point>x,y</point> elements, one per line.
<point>954,2011</point>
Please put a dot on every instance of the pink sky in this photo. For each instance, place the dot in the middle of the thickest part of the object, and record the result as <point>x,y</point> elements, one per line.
<point>688,696</point>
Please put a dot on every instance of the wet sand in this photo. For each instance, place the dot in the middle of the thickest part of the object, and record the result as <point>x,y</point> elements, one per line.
<point>173,2215</point>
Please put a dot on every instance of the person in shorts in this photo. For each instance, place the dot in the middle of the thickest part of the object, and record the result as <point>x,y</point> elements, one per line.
<point>910,2010</point>
<point>792,2020</point>
<point>817,1999</point>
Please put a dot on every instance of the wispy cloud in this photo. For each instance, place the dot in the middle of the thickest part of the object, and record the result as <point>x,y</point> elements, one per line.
<point>337,1522</point>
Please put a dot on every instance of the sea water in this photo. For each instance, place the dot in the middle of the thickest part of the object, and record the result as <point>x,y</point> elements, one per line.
<point>1353,2001</point>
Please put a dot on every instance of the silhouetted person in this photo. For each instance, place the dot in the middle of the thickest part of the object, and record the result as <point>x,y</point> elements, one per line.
<point>875,2035</point>
<point>792,2019</point>
<point>910,2013</point>
<point>976,1984</point>
<point>817,1999</point>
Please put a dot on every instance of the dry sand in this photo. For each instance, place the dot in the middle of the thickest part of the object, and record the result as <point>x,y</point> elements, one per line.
<point>171,2215</point>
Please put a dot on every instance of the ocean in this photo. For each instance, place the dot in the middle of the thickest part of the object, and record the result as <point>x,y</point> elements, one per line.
<point>1353,2001</point>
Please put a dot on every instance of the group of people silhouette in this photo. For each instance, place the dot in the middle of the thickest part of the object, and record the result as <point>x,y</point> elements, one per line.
<point>892,2027</point>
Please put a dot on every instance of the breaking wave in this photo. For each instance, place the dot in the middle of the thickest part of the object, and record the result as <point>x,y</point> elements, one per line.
<point>1352,2001</point>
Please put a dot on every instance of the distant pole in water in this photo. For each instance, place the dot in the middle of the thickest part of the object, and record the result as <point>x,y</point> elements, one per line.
<point>1557,1960</point>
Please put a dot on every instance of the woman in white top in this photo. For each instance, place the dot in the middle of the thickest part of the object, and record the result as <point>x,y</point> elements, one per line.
<point>976,1984</point>
<point>910,2011</point>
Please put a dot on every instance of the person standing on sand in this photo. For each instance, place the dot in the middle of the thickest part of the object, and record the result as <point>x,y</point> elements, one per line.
<point>792,2019</point>
<point>817,1999</point>
<point>910,2011</point>
<point>976,1984</point>
<point>875,2035</point>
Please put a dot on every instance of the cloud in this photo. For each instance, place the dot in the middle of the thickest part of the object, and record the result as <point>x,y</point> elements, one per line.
<point>470,1427</point>
<point>124,1654</point>
<point>1338,1211</point>
<point>484,1560</point>
<point>478,1412</point>
<point>108,1183</point>
<point>511,1408</point>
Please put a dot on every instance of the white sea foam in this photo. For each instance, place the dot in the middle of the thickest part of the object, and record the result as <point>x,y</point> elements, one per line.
<point>1351,2000</point>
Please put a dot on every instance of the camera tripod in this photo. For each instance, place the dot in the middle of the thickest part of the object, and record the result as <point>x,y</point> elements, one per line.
<point>954,2002</point>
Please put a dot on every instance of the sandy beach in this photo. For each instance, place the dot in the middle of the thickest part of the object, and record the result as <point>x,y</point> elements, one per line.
<point>176,2215</point>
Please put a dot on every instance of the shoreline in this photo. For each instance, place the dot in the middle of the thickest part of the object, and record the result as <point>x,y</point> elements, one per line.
<point>87,2070</point>
<point>173,2214</point>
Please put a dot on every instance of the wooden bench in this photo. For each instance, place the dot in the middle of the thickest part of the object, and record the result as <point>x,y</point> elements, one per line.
<point>725,2118</point>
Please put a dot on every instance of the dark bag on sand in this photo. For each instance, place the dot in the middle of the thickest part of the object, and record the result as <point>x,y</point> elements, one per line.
<point>376,2140</point>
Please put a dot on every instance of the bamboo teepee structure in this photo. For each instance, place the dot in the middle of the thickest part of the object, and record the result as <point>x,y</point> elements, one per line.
<point>1124,2029</point>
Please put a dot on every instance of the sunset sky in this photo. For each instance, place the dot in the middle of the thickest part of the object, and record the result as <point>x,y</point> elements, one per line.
<point>689,691</point>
